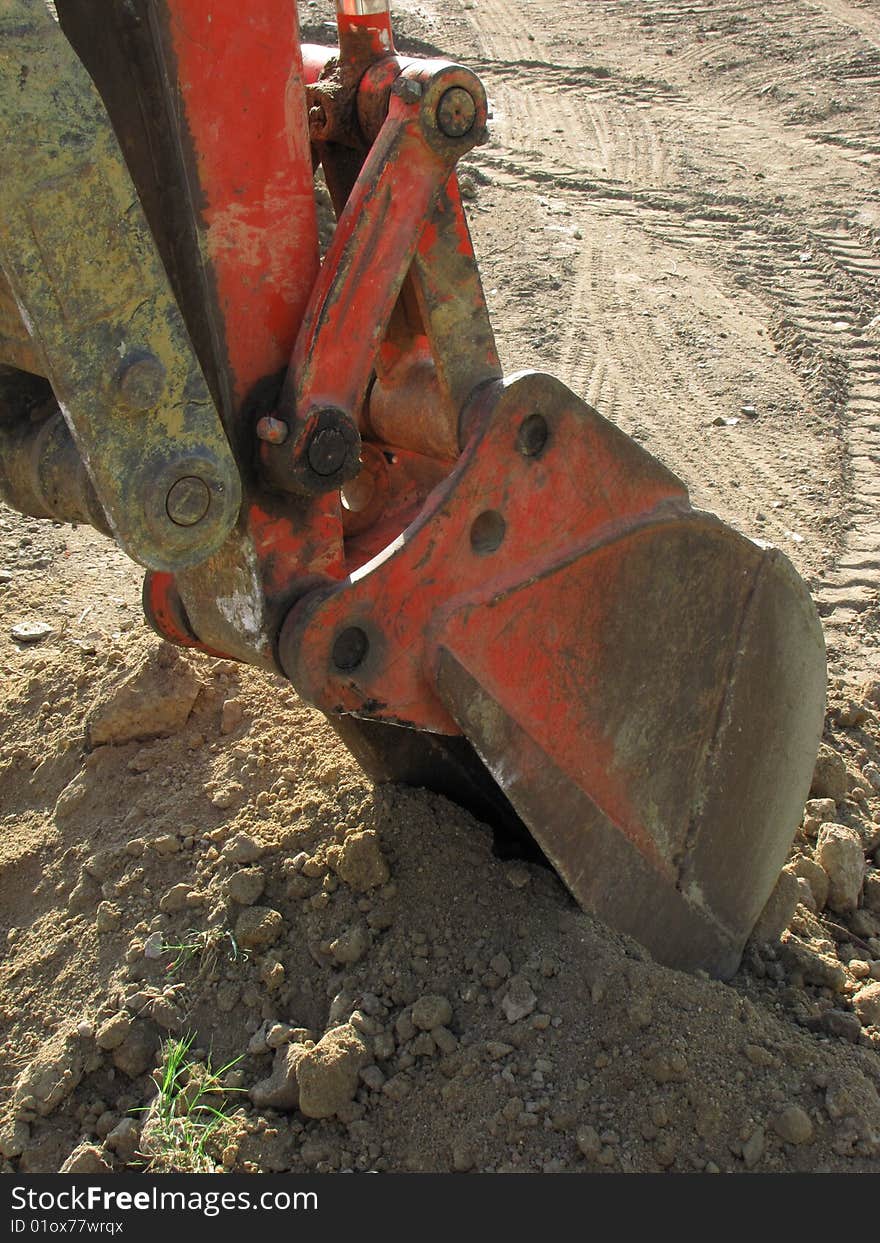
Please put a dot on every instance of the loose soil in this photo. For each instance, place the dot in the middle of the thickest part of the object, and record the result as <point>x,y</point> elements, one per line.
<point>678,214</point>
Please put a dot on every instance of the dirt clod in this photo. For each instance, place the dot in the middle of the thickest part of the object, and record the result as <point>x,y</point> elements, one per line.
<point>258,927</point>
<point>281,1089</point>
<point>135,1055</point>
<point>840,853</point>
<point>430,1012</point>
<point>154,700</point>
<point>246,885</point>
<point>86,1159</point>
<point>328,1073</point>
<point>866,1003</point>
<point>830,777</point>
<point>113,1031</point>
<point>519,999</point>
<point>793,1125</point>
<point>359,861</point>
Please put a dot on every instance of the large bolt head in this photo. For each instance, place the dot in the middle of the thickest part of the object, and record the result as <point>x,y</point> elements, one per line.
<point>141,381</point>
<point>456,112</point>
<point>188,501</point>
<point>327,451</point>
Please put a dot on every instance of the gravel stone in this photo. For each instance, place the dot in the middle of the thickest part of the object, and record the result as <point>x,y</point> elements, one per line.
<point>519,1000</point>
<point>840,854</point>
<point>830,777</point>
<point>815,876</point>
<point>246,885</point>
<point>588,1141</point>
<point>866,1004</point>
<point>258,927</point>
<point>793,1125</point>
<point>753,1148</point>
<point>431,1011</point>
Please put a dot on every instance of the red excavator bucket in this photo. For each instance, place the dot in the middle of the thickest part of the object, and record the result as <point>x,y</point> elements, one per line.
<point>644,684</point>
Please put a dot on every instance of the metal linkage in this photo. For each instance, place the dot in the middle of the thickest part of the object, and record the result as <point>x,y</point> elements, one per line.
<point>387,222</point>
<point>41,471</point>
<point>87,279</point>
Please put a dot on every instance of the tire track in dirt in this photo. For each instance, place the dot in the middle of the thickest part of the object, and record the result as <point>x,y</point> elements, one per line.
<point>854,585</point>
<point>616,160</point>
<point>669,388</point>
<point>503,29</point>
<point>616,363</point>
<point>627,346</point>
<point>821,299</point>
<point>853,16</point>
<point>745,74</point>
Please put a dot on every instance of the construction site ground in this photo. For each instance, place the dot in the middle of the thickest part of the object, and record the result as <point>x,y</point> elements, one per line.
<point>678,214</point>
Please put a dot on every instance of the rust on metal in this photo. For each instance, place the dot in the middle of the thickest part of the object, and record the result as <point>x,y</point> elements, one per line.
<point>548,559</point>
<point>372,251</point>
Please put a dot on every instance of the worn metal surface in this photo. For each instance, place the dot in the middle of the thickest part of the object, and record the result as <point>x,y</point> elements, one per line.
<point>663,766</point>
<point>17,347</point>
<point>589,477</point>
<point>42,473</point>
<point>237,80</point>
<point>450,297</point>
<point>126,57</point>
<point>83,268</point>
<point>373,247</point>
<point>209,102</point>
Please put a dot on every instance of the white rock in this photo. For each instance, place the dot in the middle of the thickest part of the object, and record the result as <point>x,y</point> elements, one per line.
<point>31,631</point>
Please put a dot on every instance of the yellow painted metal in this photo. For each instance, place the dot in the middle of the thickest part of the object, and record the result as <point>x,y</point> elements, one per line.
<point>89,285</point>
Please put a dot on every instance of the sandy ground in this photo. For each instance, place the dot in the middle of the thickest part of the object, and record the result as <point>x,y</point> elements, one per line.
<point>678,213</point>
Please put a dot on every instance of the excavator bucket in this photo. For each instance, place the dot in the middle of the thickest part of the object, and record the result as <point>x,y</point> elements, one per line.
<point>487,587</point>
<point>645,685</point>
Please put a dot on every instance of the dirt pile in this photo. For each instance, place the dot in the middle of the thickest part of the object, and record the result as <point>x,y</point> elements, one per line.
<point>388,993</point>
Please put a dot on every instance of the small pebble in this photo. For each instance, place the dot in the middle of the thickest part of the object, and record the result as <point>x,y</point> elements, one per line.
<point>793,1125</point>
